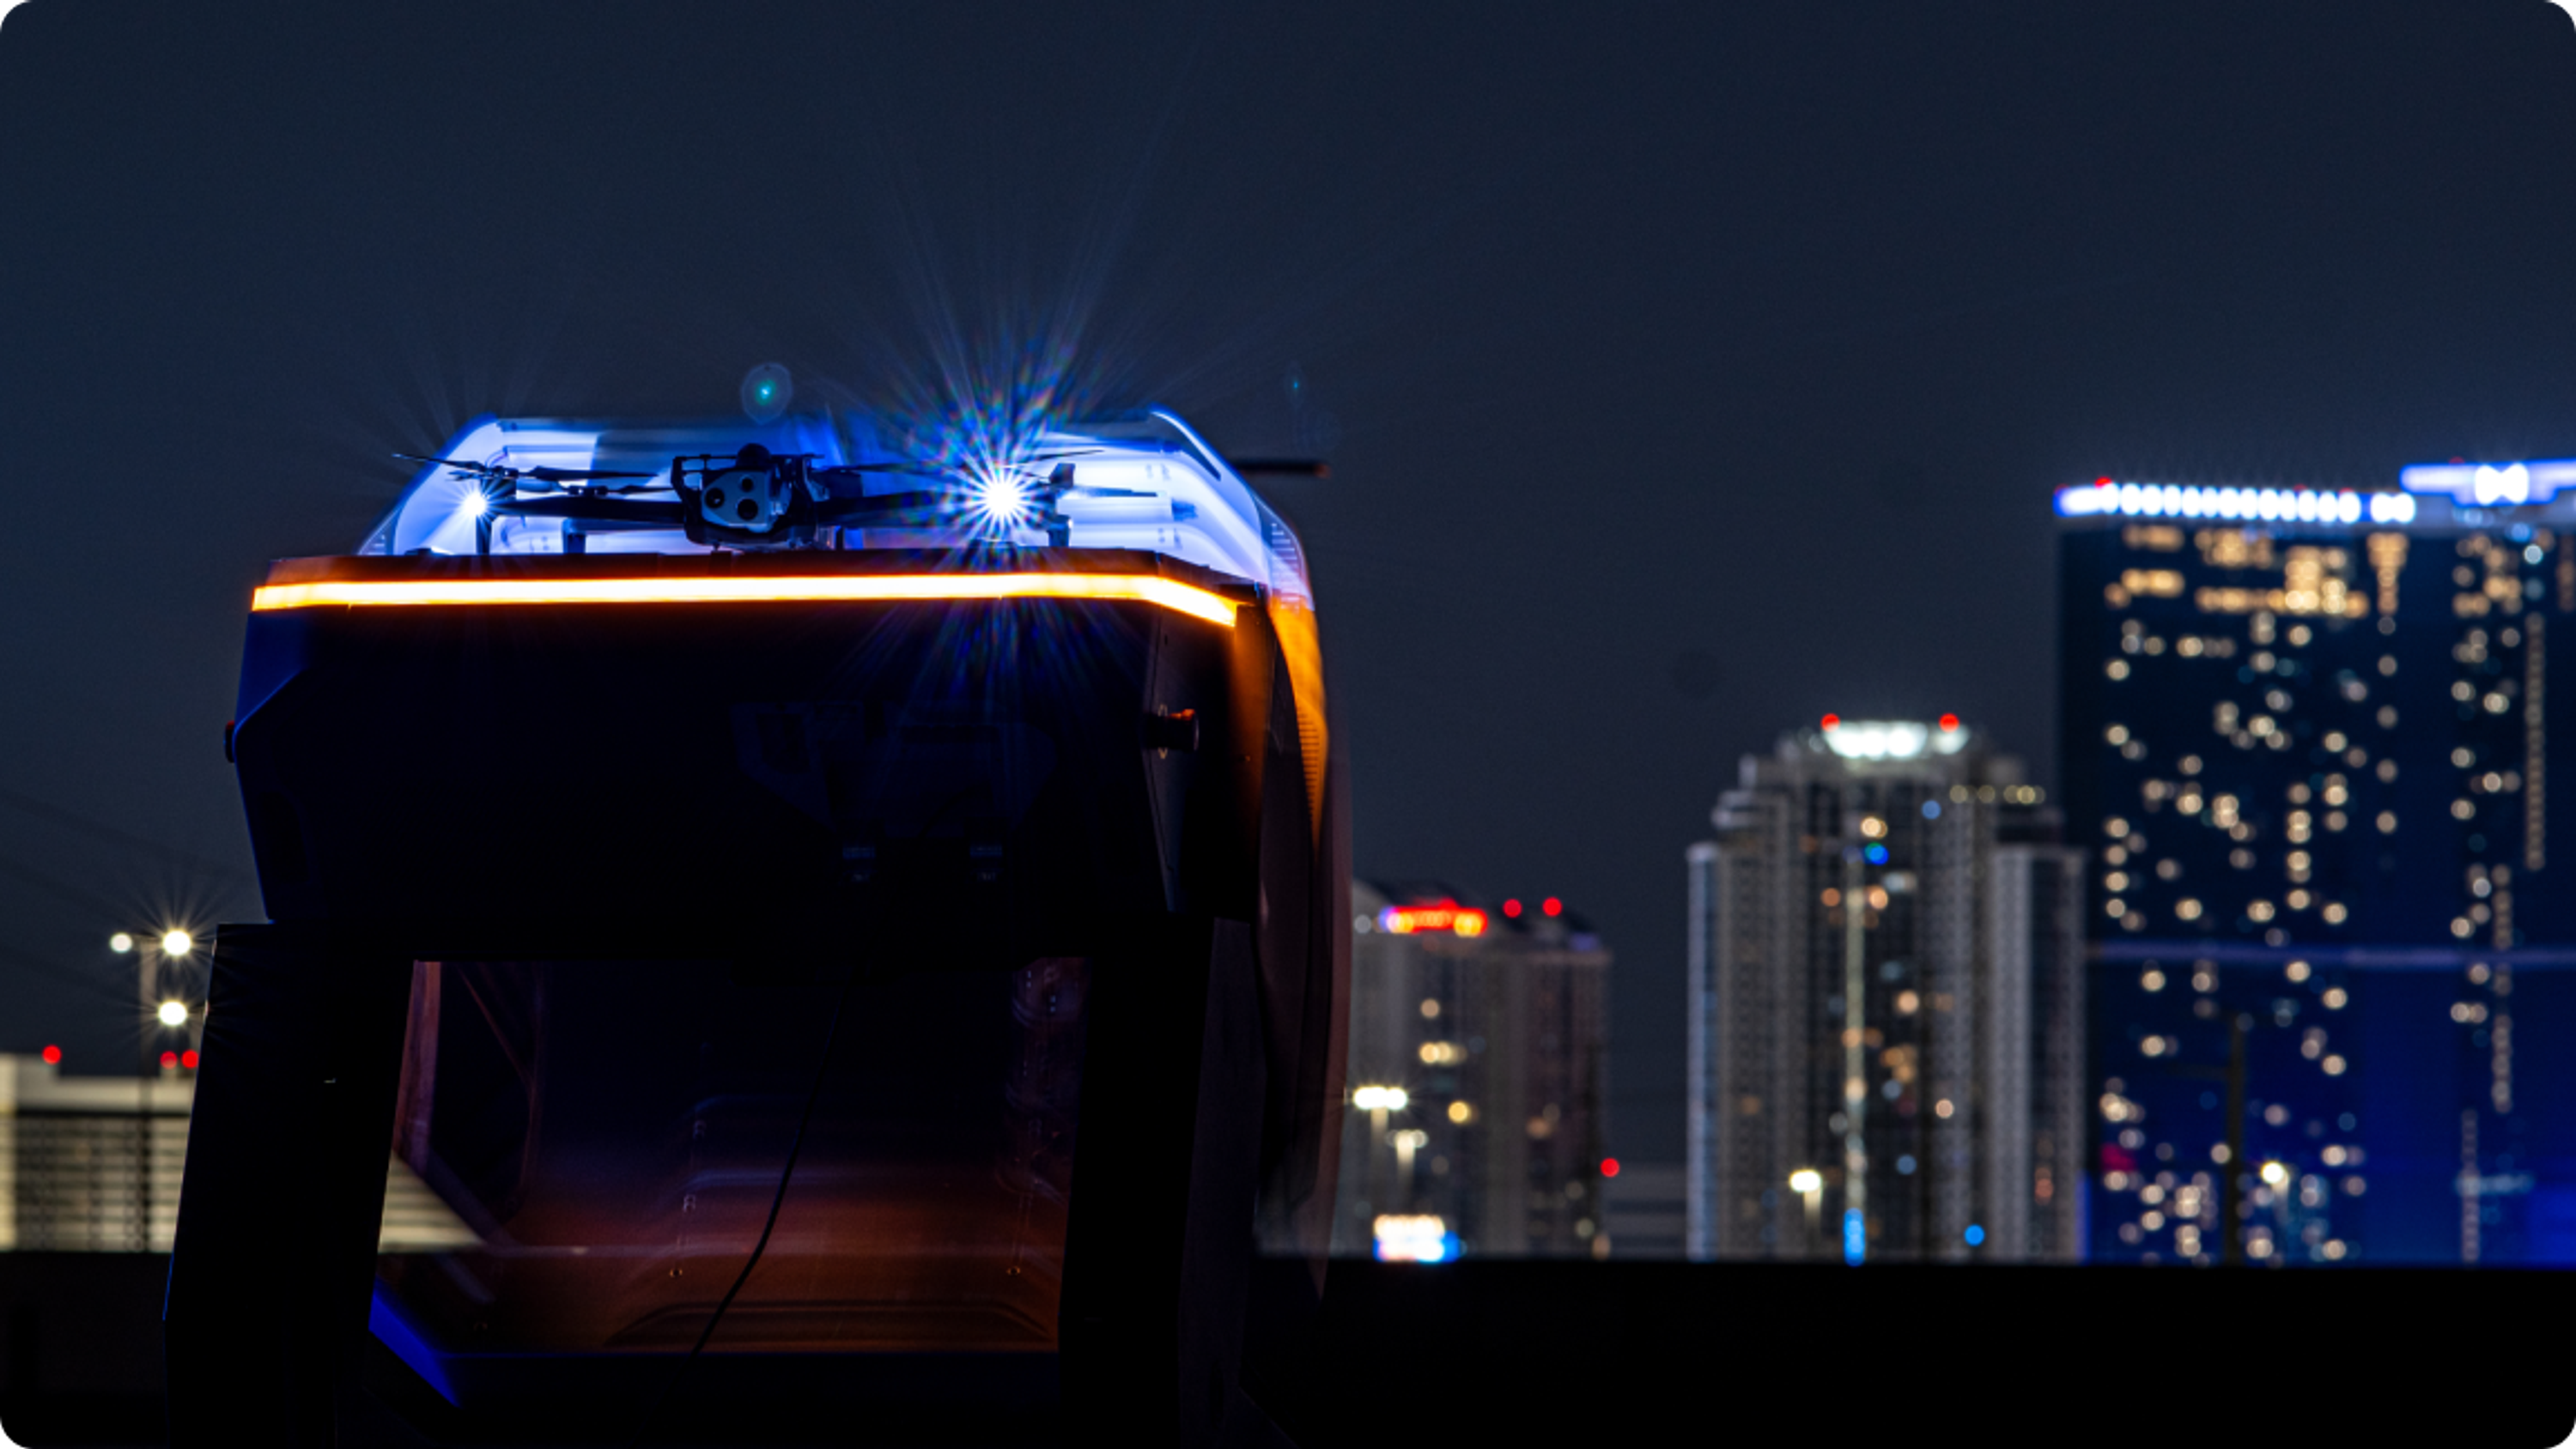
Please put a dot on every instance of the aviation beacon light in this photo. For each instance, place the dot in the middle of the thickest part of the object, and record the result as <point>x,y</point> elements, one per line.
<point>817,928</point>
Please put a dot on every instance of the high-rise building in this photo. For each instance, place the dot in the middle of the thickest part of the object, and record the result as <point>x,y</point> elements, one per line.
<point>1479,1059</point>
<point>1886,1005</point>
<point>2309,735</point>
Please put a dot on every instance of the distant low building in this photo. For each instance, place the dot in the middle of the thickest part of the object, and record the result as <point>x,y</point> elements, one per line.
<point>1886,1006</point>
<point>89,1164</point>
<point>1479,1056</point>
<point>92,1164</point>
<point>1645,1210</point>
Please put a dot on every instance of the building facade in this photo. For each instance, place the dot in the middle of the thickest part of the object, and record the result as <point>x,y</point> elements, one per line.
<point>2309,734</point>
<point>1885,1006</point>
<point>1479,1060</point>
<point>1645,1210</point>
<point>92,1164</point>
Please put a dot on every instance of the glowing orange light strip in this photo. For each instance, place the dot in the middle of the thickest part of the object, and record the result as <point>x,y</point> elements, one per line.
<point>1143,588</point>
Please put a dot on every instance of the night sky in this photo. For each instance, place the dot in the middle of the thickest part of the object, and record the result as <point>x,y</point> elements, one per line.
<point>1686,371</point>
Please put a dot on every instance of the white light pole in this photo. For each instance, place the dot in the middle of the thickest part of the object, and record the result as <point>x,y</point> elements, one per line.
<point>1808,1183</point>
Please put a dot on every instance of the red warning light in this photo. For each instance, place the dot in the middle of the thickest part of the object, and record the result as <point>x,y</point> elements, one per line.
<point>2101,482</point>
<point>53,1056</point>
<point>1609,1167</point>
<point>1949,722</point>
<point>1833,721</point>
<point>1512,910</point>
<point>1552,906</point>
<point>169,1060</point>
<point>188,1059</point>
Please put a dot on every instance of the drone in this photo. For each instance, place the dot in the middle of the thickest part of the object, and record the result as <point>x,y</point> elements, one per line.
<point>754,499</point>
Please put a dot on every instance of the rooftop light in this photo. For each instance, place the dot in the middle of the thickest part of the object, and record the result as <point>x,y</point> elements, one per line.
<point>2253,505</point>
<point>1859,739</point>
<point>1448,916</point>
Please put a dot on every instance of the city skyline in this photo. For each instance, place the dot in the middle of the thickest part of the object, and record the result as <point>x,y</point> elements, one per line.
<point>1622,311</point>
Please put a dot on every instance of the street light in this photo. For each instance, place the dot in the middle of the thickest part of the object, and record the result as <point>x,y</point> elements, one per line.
<point>175,942</point>
<point>1810,1184</point>
<point>1408,1142</point>
<point>120,943</point>
<point>173,1014</point>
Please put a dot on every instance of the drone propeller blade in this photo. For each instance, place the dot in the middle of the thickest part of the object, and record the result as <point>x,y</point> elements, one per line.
<point>488,470</point>
<point>916,467</point>
<point>566,475</point>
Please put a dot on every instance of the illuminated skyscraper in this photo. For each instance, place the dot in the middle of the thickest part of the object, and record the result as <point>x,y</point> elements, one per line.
<point>2309,733</point>
<point>1478,1069</point>
<point>1885,1005</point>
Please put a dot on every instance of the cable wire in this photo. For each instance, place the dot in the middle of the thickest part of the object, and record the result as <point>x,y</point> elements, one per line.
<point>777,1200</point>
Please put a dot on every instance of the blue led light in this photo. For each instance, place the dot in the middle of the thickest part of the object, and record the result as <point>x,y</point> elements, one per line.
<point>1855,1238</point>
<point>2253,505</point>
<point>2487,485</point>
<point>1975,1235</point>
<point>1931,809</point>
<point>1875,854</point>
